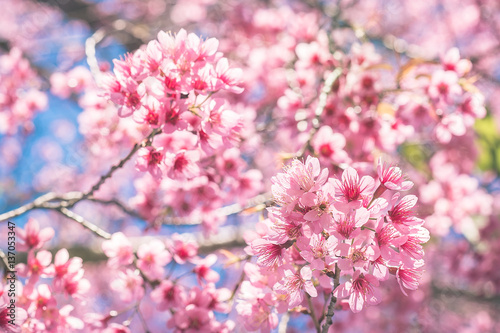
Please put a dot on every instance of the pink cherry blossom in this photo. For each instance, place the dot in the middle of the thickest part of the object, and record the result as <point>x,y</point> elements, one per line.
<point>128,285</point>
<point>191,319</point>
<point>300,178</point>
<point>413,244</point>
<point>401,214</point>
<point>152,257</point>
<point>33,238</point>
<point>444,84</point>
<point>315,250</point>
<point>203,270</point>
<point>9,323</point>
<point>228,78</point>
<point>182,250</point>
<point>408,278</point>
<point>348,226</point>
<point>168,295</point>
<point>452,62</point>
<point>183,165</point>
<point>362,289</point>
<point>118,249</point>
<point>294,284</point>
<point>392,177</point>
<point>351,190</point>
<point>42,299</point>
<point>387,237</point>
<point>151,160</point>
<point>39,265</point>
<point>356,255</point>
<point>210,297</point>
<point>330,146</point>
<point>270,254</point>
<point>255,308</point>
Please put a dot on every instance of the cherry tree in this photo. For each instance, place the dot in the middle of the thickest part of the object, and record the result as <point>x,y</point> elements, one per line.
<point>226,166</point>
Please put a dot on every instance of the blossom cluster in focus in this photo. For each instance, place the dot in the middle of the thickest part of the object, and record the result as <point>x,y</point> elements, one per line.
<point>356,229</point>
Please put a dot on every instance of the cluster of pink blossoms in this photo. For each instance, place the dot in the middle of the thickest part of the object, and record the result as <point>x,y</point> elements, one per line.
<point>190,308</point>
<point>452,103</point>
<point>371,109</point>
<point>19,98</point>
<point>359,227</point>
<point>37,299</point>
<point>194,157</point>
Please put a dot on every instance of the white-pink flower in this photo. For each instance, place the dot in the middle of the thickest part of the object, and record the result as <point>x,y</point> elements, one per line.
<point>152,259</point>
<point>32,237</point>
<point>168,295</point>
<point>119,250</point>
<point>351,191</point>
<point>392,177</point>
<point>294,284</point>
<point>361,290</point>
<point>129,286</point>
<point>203,270</point>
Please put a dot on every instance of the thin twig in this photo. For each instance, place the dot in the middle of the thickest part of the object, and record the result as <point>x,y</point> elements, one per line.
<point>284,323</point>
<point>90,51</point>
<point>333,301</point>
<point>312,313</point>
<point>70,199</point>
<point>108,175</point>
<point>5,261</point>
<point>37,203</point>
<point>259,201</point>
<point>86,224</point>
<point>141,317</point>
<point>119,204</point>
<point>327,88</point>
<point>237,286</point>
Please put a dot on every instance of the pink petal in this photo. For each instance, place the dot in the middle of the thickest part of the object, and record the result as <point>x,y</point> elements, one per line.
<point>62,257</point>
<point>309,287</point>
<point>356,302</point>
<point>306,273</point>
<point>308,199</point>
<point>361,217</point>
<point>343,290</point>
<point>46,234</point>
<point>44,257</point>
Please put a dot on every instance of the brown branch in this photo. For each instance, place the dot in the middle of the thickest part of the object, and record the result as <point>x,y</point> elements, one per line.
<point>108,175</point>
<point>120,205</point>
<point>333,301</point>
<point>70,199</point>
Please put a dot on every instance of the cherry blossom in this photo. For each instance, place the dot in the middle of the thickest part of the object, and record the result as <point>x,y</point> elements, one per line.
<point>33,237</point>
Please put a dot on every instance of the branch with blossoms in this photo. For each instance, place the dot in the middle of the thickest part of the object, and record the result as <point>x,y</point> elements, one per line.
<point>353,229</point>
<point>170,105</point>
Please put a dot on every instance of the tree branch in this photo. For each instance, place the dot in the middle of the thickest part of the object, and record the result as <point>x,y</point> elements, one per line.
<point>108,175</point>
<point>333,301</point>
<point>86,224</point>
<point>312,313</point>
<point>35,204</point>
<point>119,204</point>
<point>284,323</point>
